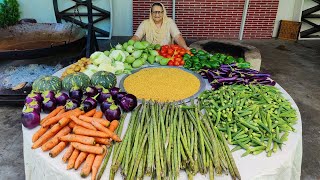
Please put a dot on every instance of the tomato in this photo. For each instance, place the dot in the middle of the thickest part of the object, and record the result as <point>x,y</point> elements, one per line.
<point>170,51</point>
<point>176,63</point>
<point>178,56</point>
<point>178,59</point>
<point>165,47</point>
<point>181,62</point>
<point>175,47</point>
<point>163,51</point>
<point>182,52</point>
<point>188,52</point>
<point>170,63</point>
<point>168,56</point>
<point>164,54</point>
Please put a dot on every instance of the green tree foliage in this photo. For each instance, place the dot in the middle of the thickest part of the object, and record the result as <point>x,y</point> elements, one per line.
<point>9,13</point>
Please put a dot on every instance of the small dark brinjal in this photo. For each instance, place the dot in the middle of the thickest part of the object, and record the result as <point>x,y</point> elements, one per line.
<point>99,88</point>
<point>30,118</point>
<point>76,93</point>
<point>88,104</point>
<point>49,105</point>
<point>71,104</point>
<point>48,94</point>
<point>106,104</point>
<point>91,91</point>
<point>103,95</point>
<point>34,95</point>
<point>113,113</point>
<point>114,91</point>
<point>35,105</point>
<point>221,80</point>
<point>128,102</point>
<point>119,96</point>
<point>61,98</point>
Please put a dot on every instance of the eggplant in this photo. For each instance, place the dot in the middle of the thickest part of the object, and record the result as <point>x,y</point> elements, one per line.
<point>99,88</point>
<point>103,95</point>
<point>35,105</point>
<point>119,96</point>
<point>114,91</point>
<point>113,113</point>
<point>30,118</point>
<point>85,104</point>
<point>106,104</point>
<point>49,105</point>
<point>71,104</point>
<point>48,94</point>
<point>221,80</point>
<point>76,94</point>
<point>34,96</point>
<point>61,98</point>
<point>128,102</point>
<point>91,91</point>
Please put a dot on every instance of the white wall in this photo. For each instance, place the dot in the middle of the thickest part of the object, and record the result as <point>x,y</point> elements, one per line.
<point>42,11</point>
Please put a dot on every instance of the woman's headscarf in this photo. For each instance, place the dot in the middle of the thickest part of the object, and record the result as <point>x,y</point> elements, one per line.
<point>154,34</point>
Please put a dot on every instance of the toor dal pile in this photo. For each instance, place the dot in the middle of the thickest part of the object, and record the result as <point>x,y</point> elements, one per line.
<point>162,84</point>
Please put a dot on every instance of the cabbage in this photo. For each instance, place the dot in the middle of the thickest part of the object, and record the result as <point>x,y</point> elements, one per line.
<point>92,67</point>
<point>130,49</point>
<point>118,55</point>
<point>119,46</point>
<point>119,67</point>
<point>106,67</point>
<point>99,57</point>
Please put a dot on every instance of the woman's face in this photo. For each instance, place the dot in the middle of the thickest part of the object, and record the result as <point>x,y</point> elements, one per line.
<point>157,14</point>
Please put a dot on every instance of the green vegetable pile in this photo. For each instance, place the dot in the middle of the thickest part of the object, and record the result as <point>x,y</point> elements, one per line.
<point>202,59</point>
<point>255,118</point>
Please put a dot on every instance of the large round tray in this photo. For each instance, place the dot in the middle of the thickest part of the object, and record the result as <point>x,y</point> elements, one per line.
<point>194,96</point>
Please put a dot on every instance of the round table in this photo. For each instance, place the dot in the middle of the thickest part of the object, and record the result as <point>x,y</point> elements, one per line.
<point>284,164</point>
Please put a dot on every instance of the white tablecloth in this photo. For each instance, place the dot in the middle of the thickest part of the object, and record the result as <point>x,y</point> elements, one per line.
<point>282,165</point>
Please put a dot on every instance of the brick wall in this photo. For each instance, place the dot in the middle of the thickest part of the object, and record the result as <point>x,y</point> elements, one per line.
<point>204,19</point>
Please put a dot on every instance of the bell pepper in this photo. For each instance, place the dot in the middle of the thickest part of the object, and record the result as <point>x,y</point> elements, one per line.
<point>240,60</point>
<point>193,51</point>
<point>244,65</point>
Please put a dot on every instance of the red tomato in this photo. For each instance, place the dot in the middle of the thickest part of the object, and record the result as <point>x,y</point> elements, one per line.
<point>170,51</point>
<point>163,51</point>
<point>165,47</point>
<point>170,63</point>
<point>181,62</point>
<point>178,56</point>
<point>164,54</point>
<point>175,47</point>
<point>178,59</point>
<point>176,63</point>
<point>182,52</point>
<point>168,56</point>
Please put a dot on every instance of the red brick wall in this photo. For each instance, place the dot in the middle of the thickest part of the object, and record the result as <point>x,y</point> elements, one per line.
<point>204,19</point>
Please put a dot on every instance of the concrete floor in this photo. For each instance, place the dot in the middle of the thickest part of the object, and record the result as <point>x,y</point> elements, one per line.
<point>294,65</point>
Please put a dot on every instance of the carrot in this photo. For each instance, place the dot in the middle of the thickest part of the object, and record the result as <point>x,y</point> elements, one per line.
<point>90,113</point>
<point>68,153</point>
<point>46,136</point>
<point>113,125</point>
<point>72,124</point>
<point>55,119</point>
<point>86,169</point>
<point>98,114</point>
<point>78,138</point>
<point>105,141</point>
<point>82,123</point>
<point>61,111</point>
<point>52,113</point>
<point>100,120</point>
<point>73,158</point>
<point>106,130</point>
<point>57,149</point>
<point>97,162</point>
<point>39,133</point>
<point>88,132</point>
<point>55,140</point>
<point>87,148</point>
<point>64,121</point>
<point>82,156</point>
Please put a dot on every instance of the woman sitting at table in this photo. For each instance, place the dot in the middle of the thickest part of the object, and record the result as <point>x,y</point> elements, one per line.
<point>159,29</point>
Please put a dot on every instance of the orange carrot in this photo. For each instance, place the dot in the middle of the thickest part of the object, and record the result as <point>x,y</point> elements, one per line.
<point>64,121</point>
<point>52,113</point>
<point>106,130</point>
<point>98,114</point>
<point>55,119</point>
<point>82,123</point>
<point>90,113</point>
<point>55,140</point>
<point>113,125</point>
<point>78,138</point>
<point>102,121</point>
<point>86,169</point>
<point>46,136</point>
<point>72,124</point>
<point>97,162</point>
<point>68,153</point>
<point>73,158</point>
<point>39,133</point>
<point>82,156</point>
<point>105,141</point>
<point>61,111</point>
<point>57,149</point>
<point>88,132</point>
<point>87,148</point>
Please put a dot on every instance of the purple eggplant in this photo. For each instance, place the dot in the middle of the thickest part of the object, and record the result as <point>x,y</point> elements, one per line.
<point>119,96</point>
<point>113,113</point>
<point>99,88</point>
<point>48,94</point>
<point>61,98</point>
<point>30,118</point>
<point>106,104</point>
<point>49,105</point>
<point>103,95</point>
<point>34,96</point>
<point>128,102</point>
<point>71,104</point>
<point>76,94</point>
<point>221,80</point>
<point>114,91</point>
<point>35,105</point>
<point>260,75</point>
<point>91,91</point>
<point>85,104</point>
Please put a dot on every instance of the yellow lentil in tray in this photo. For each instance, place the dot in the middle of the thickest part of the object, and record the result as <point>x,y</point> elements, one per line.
<point>162,84</point>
